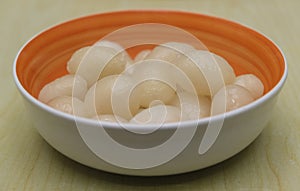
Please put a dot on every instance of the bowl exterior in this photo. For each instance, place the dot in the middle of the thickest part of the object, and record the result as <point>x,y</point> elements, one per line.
<point>238,132</point>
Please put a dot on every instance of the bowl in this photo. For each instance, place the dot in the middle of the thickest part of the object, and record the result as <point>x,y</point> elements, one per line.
<point>172,148</point>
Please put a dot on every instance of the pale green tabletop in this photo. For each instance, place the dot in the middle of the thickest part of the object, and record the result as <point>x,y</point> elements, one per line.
<point>27,162</point>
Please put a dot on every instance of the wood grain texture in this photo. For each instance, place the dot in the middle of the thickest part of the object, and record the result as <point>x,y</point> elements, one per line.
<point>27,162</point>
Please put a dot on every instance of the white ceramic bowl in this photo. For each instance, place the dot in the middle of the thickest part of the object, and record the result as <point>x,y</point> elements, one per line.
<point>44,57</point>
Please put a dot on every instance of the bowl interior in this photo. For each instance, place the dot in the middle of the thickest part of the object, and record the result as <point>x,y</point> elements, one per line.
<point>44,58</point>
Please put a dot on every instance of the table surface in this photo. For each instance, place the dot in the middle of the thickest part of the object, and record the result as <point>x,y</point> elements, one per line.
<point>271,162</point>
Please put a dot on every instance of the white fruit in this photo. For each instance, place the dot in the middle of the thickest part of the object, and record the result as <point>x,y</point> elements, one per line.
<point>141,55</point>
<point>170,52</point>
<point>251,83</point>
<point>193,106</point>
<point>68,85</point>
<point>69,105</point>
<point>110,44</point>
<point>112,95</point>
<point>152,90</point>
<point>122,54</point>
<point>207,71</point>
<point>76,58</point>
<point>172,82</point>
<point>154,81</point>
<point>158,114</point>
<point>229,98</point>
<point>96,62</point>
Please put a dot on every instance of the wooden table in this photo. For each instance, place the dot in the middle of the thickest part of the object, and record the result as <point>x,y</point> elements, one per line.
<point>27,162</point>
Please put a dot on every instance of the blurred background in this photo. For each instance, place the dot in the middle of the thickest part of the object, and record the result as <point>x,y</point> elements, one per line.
<point>27,162</point>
